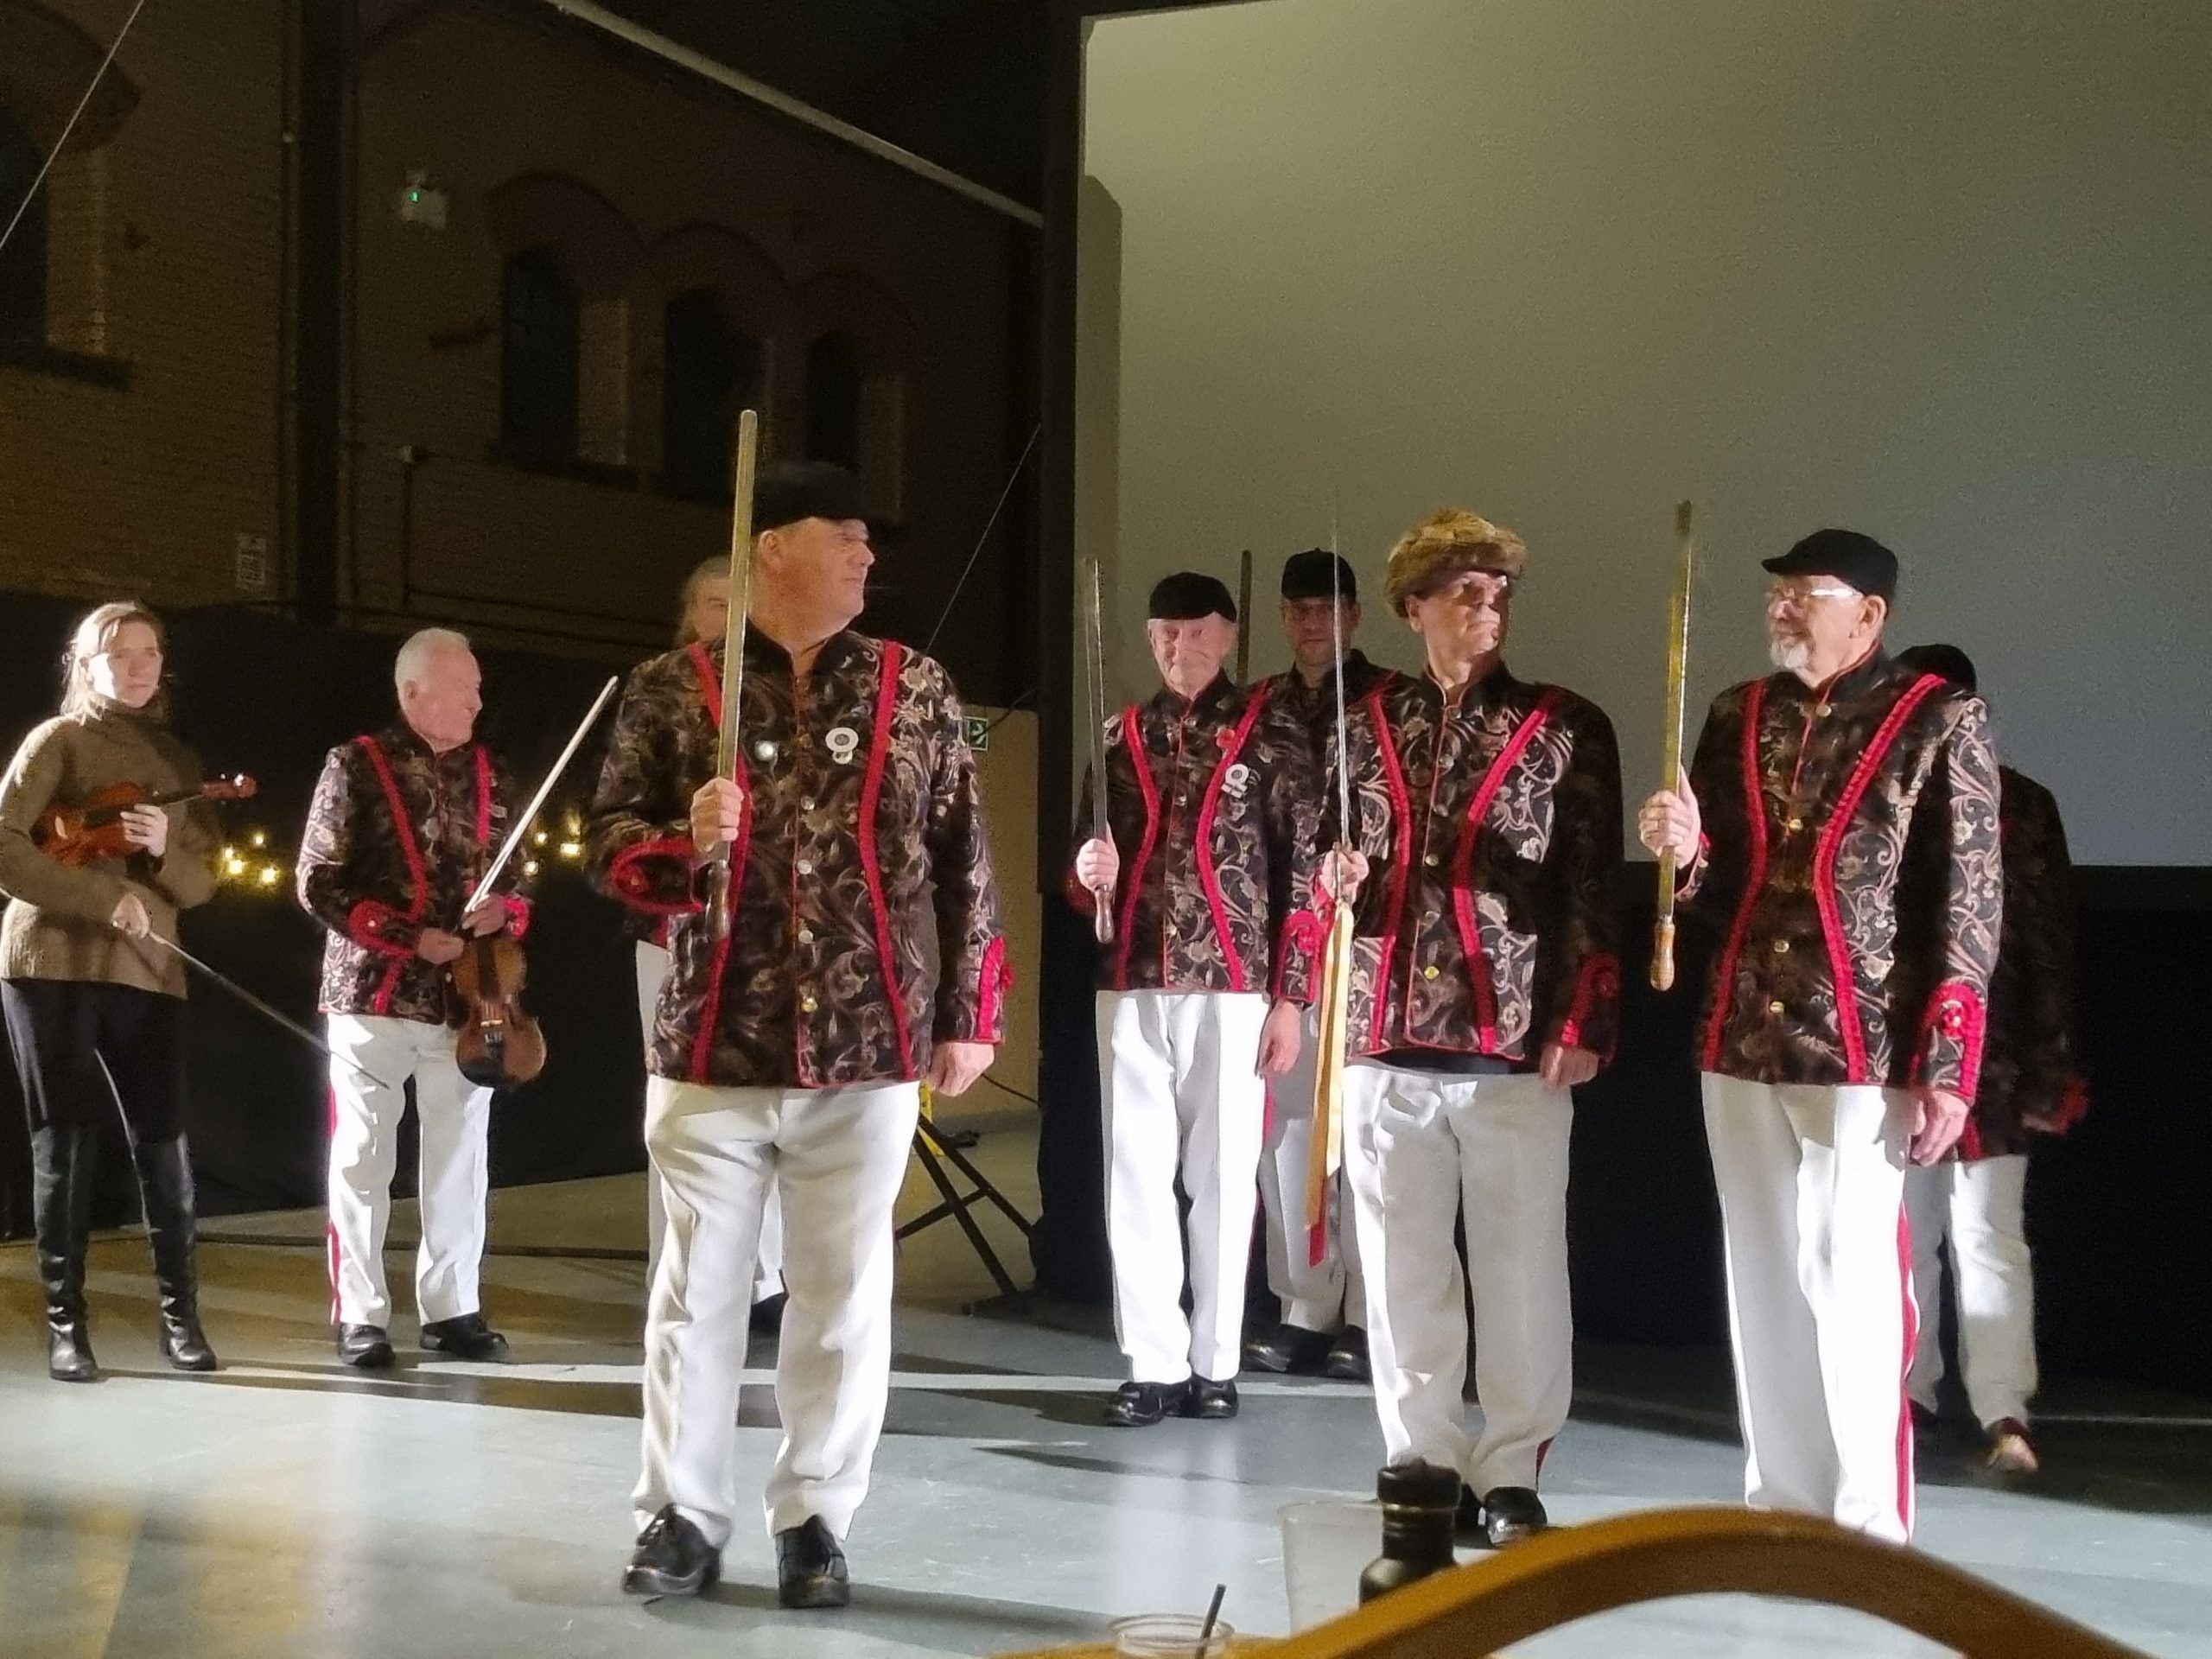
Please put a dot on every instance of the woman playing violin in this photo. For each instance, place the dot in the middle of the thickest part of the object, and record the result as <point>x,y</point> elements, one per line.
<point>95,1010</point>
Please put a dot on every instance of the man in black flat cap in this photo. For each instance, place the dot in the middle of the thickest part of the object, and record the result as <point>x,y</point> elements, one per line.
<point>1212,806</point>
<point>1313,1270</point>
<point>1839,827</point>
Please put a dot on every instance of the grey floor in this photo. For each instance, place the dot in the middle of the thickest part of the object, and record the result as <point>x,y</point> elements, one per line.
<point>284,1506</point>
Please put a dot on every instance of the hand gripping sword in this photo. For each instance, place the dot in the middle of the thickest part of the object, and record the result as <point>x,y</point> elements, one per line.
<point>1670,741</point>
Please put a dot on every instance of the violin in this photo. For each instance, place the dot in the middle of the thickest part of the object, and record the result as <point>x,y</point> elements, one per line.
<point>92,828</point>
<point>499,1044</point>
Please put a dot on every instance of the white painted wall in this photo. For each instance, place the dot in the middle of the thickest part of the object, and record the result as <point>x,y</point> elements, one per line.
<point>1942,272</point>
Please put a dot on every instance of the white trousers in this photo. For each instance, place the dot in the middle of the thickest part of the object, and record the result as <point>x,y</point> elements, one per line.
<point>1332,1292</point>
<point>1982,1207</point>
<point>839,1156</point>
<point>768,1270</point>
<point>451,1117</point>
<point>1820,1306</point>
<point>1419,1146</point>
<point>1179,1084</point>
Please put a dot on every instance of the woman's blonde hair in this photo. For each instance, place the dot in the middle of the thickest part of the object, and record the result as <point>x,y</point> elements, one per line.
<point>706,571</point>
<point>93,633</point>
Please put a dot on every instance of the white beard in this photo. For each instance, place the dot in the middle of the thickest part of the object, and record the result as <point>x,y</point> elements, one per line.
<point>1789,655</point>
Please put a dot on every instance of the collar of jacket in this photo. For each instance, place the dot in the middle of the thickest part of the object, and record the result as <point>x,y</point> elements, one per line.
<point>1855,681</point>
<point>1220,697</point>
<point>399,739</point>
<point>1486,693</point>
<point>763,653</point>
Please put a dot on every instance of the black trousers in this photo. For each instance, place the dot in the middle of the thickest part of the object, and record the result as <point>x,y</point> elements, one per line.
<point>84,1049</point>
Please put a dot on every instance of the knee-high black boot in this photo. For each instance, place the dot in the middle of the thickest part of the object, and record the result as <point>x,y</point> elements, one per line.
<point>165,1184</point>
<point>61,1205</point>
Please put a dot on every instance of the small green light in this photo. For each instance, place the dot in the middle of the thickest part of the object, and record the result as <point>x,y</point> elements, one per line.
<point>414,196</point>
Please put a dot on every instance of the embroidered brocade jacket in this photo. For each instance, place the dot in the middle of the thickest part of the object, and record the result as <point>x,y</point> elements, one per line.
<point>396,838</point>
<point>864,917</point>
<point>1851,856</point>
<point>1491,825</point>
<point>1314,707</point>
<point>1214,805</point>
<point>2030,1082</point>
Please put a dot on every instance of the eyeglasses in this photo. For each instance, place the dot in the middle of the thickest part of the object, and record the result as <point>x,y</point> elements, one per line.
<point>1783,596</point>
<point>1476,587</point>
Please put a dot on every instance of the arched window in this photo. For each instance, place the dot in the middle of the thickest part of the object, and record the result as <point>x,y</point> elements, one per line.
<point>23,260</point>
<point>538,362</point>
<point>711,370</point>
<point>833,399</point>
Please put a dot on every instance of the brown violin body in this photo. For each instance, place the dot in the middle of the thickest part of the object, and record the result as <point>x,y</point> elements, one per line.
<point>499,1044</point>
<point>87,831</point>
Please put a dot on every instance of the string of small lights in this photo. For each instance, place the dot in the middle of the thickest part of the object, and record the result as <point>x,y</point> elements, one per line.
<point>253,863</point>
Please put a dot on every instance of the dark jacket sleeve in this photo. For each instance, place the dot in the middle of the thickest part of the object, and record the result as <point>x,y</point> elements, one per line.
<point>2039,932</point>
<point>1710,885</point>
<point>973,973</point>
<point>1961,792</point>
<point>638,836</point>
<point>1583,963</point>
<point>329,884</point>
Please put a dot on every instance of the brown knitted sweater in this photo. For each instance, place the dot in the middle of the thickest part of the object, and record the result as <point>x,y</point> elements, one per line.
<point>56,924</point>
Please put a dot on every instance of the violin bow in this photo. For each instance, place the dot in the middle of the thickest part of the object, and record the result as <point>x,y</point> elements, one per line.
<point>263,1009</point>
<point>529,814</point>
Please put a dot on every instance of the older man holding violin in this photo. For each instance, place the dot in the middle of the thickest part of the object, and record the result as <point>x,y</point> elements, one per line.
<point>404,823</point>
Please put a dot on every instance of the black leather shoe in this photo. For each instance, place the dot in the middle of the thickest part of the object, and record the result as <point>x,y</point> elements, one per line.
<point>364,1347</point>
<point>1140,1405</point>
<point>1511,1514</point>
<point>465,1338</point>
<point>165,1189</point>
<point>69,1352</point>
<point>673,1558</point>
<point>1207,1398</point>
<point>810,1569</point>
<point>767,1316</point>
<point>183,1344</point>
<point>1288,1348</point>
<point>1347,1360</point>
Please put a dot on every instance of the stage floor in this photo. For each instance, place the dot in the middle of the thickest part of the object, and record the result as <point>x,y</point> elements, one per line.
<point>288,1507</point>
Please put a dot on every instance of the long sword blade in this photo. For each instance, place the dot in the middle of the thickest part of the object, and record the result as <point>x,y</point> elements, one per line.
<point>1094,665</point>
<point>741,594</point>
<point>1336,640</point>
<point>1670,738</point>
<point>1244,617</point>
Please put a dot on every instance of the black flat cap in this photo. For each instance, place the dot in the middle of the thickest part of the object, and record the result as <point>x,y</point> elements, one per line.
<point>1307,575</point>
<point>1860,560</point>
<point>1187,595</point>
<point>792,490</point>
<point>1948,661</point>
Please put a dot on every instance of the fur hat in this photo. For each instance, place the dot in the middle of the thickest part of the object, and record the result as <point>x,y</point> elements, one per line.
<point>1449,541</point>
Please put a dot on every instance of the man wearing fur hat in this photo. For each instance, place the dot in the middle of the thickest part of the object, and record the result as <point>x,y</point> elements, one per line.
<point>1313,1270</point>
<point>1839,826</point>
<point>1212,791</point>
<point>1485,977</point>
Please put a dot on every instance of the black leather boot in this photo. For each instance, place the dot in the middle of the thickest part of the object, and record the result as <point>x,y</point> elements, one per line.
<point>165,1189</point>
<point>62,1204</point>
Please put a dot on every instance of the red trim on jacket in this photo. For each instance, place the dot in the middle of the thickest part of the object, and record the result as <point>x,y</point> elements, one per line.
<point>886,693</point>
<point>1401,816</point>
<point>710,684</point>
<point>1824,857</point>
<point>1203,846</point>
<point>1304,930</point>
<point>2073,1106</point>
<point>361,928</point>
<point>992,980</point>
<point>1465,919</point>
<point>410,851</point>
<point>1597,980</point>
<point>1957,1010</point>
<point>1724,972</point>
<point>631,885</point>
<point>1133,881</point>
<point>1911,1317</point>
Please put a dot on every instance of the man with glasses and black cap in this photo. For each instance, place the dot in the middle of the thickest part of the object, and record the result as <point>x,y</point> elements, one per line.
<point>863,957</point>
<point>1976,1200</point>
<point>1211,802</point>
<point>1839,828</point>
<point>1313,1270</point>
<point>1486,986</point>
